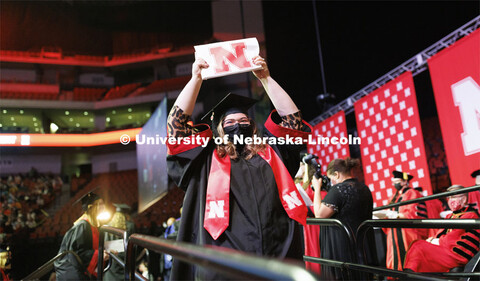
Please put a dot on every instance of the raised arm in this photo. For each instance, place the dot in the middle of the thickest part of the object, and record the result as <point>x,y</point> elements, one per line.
<point>280,99</point>
<point>183,106</point>
<point>188,96</point>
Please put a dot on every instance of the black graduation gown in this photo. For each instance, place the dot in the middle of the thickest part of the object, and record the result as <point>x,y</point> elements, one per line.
<point>354,204</point>
<point>80,240</point>
<point>258,223</point>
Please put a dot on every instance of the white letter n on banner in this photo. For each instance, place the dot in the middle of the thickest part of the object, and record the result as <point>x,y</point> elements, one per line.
<point>216,209</point>
<point>292,200</point>
<point>466,95</point>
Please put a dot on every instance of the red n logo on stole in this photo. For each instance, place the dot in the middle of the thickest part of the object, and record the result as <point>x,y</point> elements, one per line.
<point>238,59</point>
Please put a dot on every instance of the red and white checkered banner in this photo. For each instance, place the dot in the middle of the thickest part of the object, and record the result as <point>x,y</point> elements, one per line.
<point>455,74</point>
<point>389,126</point>
<point>333,129</point>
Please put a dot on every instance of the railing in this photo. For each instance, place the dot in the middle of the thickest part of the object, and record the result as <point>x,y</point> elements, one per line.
<point>346,230</point>
<point>101,242</point>
<point>416,223</point>
<point>226,261</point>
<point>430,197</point>
<point>373,269</point>
<point>48,266</point>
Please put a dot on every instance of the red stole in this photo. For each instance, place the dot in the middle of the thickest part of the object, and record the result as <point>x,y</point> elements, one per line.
<point>217,205</point>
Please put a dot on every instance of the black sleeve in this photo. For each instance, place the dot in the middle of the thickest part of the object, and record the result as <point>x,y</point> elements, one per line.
<point>333,199</point>
<point>182,165</point>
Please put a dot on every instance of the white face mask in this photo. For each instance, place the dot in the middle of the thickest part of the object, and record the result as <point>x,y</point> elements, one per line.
<point>456,203</point>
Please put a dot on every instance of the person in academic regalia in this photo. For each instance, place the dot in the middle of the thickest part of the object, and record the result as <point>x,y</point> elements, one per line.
<point>121,219</point>
<point>399,239</point>
<point>474,196</point>
<point>449,248</point>
<point>350,201</point>
<point>82,239</point>
<point>238,196</point>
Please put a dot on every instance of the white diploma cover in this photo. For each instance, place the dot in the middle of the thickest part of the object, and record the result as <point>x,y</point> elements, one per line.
<point>115,245</point>
<point>229,57</point>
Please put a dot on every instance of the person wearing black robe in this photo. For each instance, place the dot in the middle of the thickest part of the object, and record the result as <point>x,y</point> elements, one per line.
<point>262,205</point>
<point>349,201</point>
<point>82,239</point>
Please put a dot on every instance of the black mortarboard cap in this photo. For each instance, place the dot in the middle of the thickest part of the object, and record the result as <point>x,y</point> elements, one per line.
<point>475,174</point>
<point>121,207</point>
<point>88,199</point>
<point>402,175</point>
<point>231,103</point>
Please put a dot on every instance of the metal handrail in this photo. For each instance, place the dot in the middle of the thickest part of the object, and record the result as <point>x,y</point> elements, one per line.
<point>346,230</point>
<point>120,261</point>
<point>430,197</point>
<point>414,223</point>
<point>227,261</point>
<point>376,270</point>
<point>101,242</point>
<point>48,266</point>
<point>339,224</point>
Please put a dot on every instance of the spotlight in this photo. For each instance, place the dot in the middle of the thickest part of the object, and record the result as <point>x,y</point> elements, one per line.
<point>53,128</point>
<point>104,216</point>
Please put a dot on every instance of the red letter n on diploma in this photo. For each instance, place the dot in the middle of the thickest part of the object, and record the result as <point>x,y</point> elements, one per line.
<point>238,59</point>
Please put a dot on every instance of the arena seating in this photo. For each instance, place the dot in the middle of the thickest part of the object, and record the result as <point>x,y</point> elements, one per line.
<point>11,89</point>
<point>24,198</point>
<point>158,213</point>
<point>164,85</point>
<point>118,187</point>
<point>121,91</point>
<point>88,94</point>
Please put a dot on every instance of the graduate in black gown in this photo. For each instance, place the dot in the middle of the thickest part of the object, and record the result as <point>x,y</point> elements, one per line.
<point>347,200</point>
<point>82,239</point>
<point>237,196</point>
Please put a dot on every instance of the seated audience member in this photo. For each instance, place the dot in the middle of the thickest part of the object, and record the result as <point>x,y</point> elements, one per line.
<point>450,247</point>
<point>398,239</point>
<point>348,200</point>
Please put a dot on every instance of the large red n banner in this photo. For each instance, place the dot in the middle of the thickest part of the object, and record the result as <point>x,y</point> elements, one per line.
<point>389,126</point>
<point>333,129</point>
<point>455,74</point>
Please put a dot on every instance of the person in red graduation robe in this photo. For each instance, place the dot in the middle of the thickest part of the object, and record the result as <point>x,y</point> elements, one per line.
<point>238,196</point>
<point>399,239</point>
<point>474,196</point>
<point>449,248</point>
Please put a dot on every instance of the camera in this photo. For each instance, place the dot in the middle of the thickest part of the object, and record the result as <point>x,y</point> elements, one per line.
<point>311,159</point>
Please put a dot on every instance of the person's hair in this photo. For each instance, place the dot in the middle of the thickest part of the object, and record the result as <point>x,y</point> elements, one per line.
<point>90,214</point>
<point>342,166</point>
<point>455,187</point>
<point>229,149</point>
<point>118,220</point>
